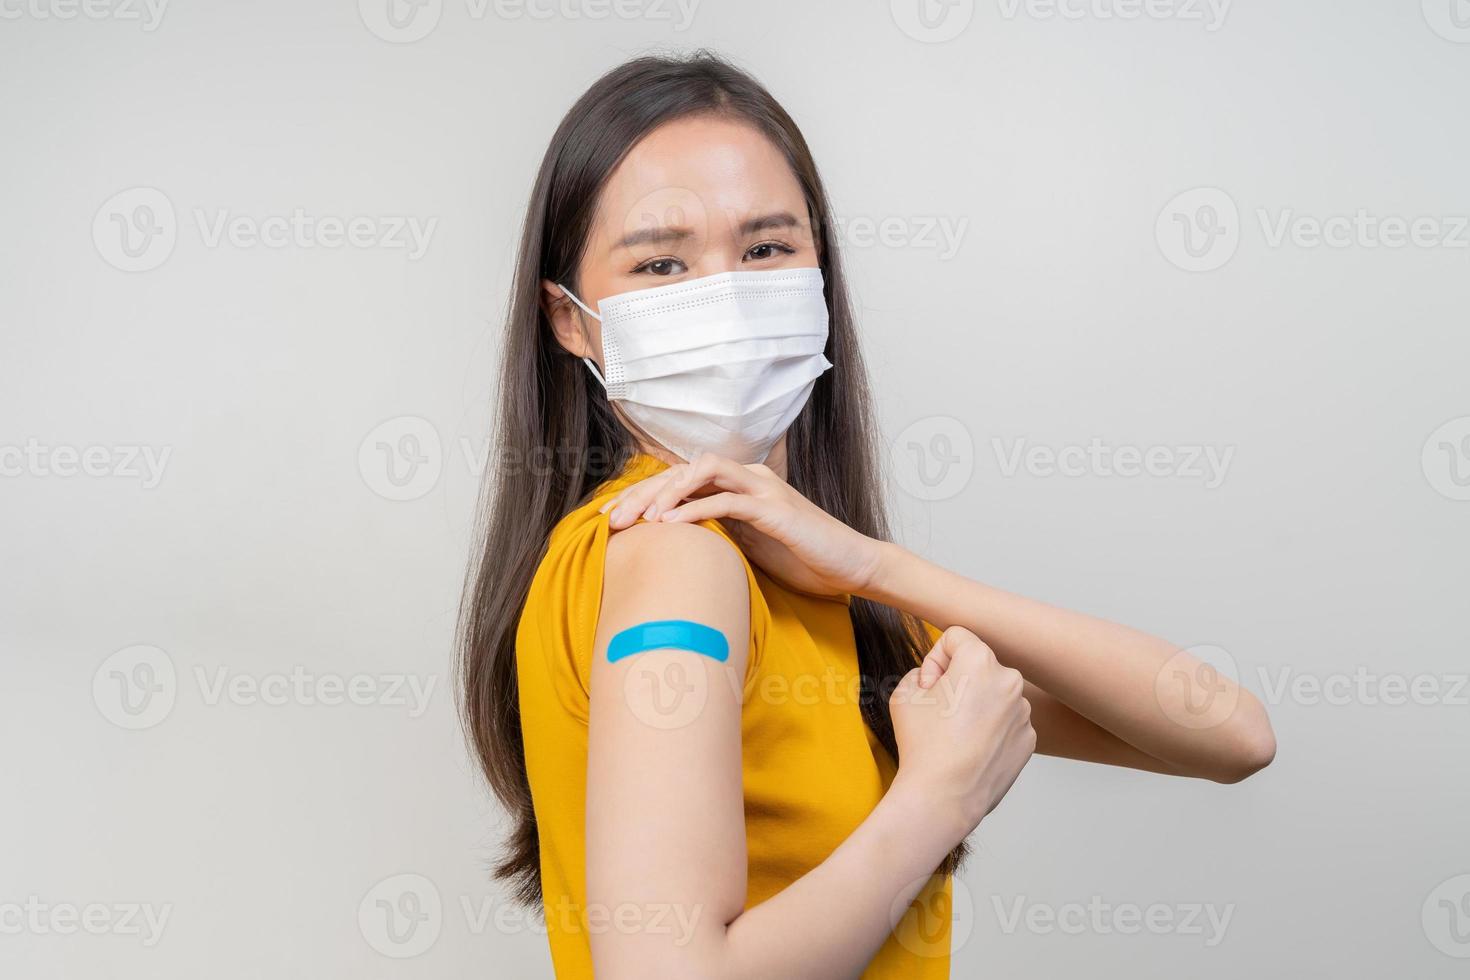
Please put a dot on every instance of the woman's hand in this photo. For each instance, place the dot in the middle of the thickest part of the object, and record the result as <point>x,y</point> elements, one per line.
<point>963,728</point>
<point>788,536</point>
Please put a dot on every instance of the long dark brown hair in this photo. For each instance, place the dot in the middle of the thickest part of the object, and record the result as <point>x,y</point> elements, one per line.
<point>556,438</point>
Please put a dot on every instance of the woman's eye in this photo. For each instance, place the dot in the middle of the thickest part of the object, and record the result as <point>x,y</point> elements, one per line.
<point>662,267</point>
<point>767,250</point>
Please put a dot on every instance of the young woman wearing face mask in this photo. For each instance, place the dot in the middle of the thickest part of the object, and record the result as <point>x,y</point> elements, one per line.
<point>738,733</point>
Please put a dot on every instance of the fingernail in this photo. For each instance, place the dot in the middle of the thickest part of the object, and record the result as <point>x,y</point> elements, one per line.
<point>616,517</point>
<point>672,514</point>
<point>651,512</point>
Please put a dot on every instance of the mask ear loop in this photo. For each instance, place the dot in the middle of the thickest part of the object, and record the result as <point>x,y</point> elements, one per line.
<point>591,364</point>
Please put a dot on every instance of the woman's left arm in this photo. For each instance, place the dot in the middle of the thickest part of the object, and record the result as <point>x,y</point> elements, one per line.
<point>1099,683</point>
<point>1099,691</point>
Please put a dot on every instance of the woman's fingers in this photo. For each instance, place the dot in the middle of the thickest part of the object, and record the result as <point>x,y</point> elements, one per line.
<point>706,471</point>
<point>659,493</point>
<point>934,666</point>
<point>627,506</point>
<point>953,643</point>
<point>737,506</point>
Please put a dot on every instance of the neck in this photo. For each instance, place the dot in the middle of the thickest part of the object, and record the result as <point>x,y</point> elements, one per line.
<point>776,461</point>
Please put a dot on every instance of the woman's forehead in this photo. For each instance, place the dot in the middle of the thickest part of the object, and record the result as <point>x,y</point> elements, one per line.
<point>705,175</point>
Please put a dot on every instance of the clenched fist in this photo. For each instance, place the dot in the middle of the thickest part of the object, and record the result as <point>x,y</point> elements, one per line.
<point>963,729</point>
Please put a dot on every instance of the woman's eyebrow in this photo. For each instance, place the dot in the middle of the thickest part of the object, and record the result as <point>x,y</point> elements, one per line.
<point>673,234</point>
<point>777,219</point>
<point>657,234</point>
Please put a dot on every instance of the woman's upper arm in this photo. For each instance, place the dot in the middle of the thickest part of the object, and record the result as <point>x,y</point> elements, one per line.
<point>665,812</point>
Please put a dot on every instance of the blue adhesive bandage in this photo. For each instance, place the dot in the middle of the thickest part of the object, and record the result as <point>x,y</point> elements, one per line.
<point>677,634</point>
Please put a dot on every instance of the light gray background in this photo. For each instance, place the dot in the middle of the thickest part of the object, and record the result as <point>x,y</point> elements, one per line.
<point>1333,544</point>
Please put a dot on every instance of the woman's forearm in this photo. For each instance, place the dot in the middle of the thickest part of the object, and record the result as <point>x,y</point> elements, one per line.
<point>832,920</point>
<point>1121,679</point>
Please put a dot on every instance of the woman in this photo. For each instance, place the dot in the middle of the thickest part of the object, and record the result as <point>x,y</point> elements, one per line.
<point>698,677</point>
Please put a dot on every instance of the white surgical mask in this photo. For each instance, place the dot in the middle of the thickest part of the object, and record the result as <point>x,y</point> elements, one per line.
<point>722,364</point>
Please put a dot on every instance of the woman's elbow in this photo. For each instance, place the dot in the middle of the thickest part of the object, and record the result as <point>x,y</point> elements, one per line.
<point>1252,747</point>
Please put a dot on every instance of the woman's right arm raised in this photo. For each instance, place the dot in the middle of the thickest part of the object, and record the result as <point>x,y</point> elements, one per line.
<point>666,861</point>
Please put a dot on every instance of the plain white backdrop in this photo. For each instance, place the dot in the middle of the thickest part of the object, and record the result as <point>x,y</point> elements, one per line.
<point>1165,305</point>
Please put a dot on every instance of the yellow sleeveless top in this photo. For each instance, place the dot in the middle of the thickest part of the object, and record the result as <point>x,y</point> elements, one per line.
<point>812,769</point>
